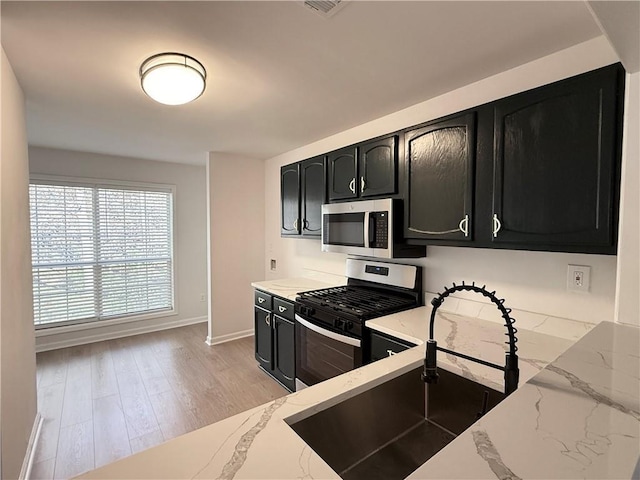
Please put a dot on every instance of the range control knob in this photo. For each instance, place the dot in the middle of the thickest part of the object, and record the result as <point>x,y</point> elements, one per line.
<point>338,323</point>
<point>307,311</point>
<point>348,325</point>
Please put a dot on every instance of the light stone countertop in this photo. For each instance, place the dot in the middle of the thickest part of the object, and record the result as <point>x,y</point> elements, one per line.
<point>580,417</point>
<point>290,287</point>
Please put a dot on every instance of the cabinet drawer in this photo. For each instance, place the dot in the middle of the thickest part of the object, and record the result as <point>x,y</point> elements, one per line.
<point>382,346</point>
<point>262,299</point>
<point>283,308</point>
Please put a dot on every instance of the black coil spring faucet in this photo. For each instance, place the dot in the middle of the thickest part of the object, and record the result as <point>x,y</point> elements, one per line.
<point>511,371</point>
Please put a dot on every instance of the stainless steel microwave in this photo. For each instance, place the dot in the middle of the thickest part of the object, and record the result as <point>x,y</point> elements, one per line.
<point>370,228</point>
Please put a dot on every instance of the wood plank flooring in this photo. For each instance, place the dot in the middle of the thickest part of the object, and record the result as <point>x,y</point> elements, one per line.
<point>107,400</point>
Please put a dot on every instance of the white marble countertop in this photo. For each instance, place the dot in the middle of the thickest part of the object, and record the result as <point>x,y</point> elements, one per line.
<point>577,418</point>
<point>290,287</point>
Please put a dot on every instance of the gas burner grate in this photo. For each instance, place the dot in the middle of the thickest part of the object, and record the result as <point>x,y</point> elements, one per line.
<point>357,300</point>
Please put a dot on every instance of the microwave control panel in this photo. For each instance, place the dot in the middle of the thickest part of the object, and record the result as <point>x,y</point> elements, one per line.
<point>380,238</point>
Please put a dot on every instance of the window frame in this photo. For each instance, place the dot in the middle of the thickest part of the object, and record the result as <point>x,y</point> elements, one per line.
<point>76,325</point>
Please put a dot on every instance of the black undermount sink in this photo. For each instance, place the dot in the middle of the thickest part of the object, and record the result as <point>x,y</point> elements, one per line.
<point>390,430</point>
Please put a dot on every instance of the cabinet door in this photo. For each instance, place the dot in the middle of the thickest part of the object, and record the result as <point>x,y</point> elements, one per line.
<point>554,163</point>
<point>343,173</point>
<point>284,351</point>
<point>377,164</point>
<point>383,346</point>
<point>312,180</point>
<point>290,200</point>
<point>439,171</point>
<point>263,337</point>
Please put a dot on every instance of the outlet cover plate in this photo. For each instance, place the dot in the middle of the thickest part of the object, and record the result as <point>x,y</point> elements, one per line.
<point>578,278</point>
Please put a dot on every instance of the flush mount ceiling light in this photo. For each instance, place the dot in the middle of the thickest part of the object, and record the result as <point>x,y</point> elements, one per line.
<point>172,78</point>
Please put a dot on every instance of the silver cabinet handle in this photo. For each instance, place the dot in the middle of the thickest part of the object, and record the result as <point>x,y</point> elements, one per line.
<point>282,309</point>
<point>305,224</point>
<point>267,319</point>
<point>496,225</point>
<point>295,224</point>
<point>362,184</point>
<point>352,185</point>
<point>390,352</point>
<point>464,225</point>
<point>261,300</point>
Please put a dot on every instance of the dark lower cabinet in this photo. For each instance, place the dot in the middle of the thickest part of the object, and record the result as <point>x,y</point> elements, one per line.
<point>275,337</point>
<point>380,345</point>
<point>556,163</point>
<point>262,332</point>
<point>284,361</point>
<point>439,163</point>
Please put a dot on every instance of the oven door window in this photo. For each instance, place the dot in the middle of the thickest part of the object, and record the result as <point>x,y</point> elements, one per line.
<point>319,357</point>
<point>344,229</point>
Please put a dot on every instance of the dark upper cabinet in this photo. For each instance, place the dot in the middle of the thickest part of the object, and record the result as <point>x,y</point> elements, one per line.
<point>263,337</point>
<point>556,154</point>
<point>302,193</point>
<point>377,167</point>
<point>312,181</point>
<point>290,200</point>
<point>439,163</point>
<point>342,166</point>
<point>366,170</point>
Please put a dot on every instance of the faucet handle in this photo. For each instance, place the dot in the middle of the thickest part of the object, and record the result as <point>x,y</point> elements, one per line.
<point>430,372</point>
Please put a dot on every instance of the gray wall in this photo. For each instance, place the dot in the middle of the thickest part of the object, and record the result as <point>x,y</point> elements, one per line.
<point>236,242</point>
<point>17,355</point>
<point>190,224</point>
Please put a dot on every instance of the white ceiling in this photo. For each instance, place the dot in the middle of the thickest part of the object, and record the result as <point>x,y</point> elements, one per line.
<point>279,76</point>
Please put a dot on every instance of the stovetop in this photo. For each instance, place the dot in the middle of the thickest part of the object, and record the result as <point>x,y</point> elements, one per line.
<point>356,302</point>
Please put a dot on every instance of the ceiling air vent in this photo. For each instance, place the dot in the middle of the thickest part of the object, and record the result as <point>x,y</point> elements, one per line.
<point>324,8</point>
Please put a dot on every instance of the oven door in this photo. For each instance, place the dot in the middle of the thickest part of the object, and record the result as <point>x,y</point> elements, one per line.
<point>322,354</point>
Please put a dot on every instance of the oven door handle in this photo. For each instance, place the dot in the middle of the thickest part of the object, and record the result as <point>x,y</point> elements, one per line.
<point>329,334</point>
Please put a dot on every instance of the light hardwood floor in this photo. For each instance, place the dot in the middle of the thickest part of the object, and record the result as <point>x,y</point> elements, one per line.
<point>107,400</point>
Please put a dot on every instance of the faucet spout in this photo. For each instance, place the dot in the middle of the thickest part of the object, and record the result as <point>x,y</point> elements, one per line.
<point>511,370</point>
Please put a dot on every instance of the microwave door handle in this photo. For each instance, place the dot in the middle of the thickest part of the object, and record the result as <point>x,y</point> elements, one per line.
<point>367,229</point>
<point>372,229</point>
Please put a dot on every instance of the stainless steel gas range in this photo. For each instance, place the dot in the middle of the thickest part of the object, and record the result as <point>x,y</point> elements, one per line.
<point>329,327</point>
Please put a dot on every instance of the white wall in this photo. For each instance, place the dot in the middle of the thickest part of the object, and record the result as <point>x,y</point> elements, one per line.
<point>17,354</point>
<point>190,222</point>
<point>235,188</point>
<point>532,281</point>
<point>628,279</point>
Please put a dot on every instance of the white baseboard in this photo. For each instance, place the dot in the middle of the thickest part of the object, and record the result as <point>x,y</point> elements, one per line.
<point>86,336</point>
<point>27,463</point>
<point>227,338</point>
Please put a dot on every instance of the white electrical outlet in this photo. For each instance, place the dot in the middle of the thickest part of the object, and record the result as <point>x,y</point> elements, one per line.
<point>578,278</point>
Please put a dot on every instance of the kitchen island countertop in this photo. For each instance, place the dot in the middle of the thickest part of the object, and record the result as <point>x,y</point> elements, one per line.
<point>576,415</point>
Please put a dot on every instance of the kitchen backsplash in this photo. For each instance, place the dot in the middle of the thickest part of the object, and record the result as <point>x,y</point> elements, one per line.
<point>537,322</point>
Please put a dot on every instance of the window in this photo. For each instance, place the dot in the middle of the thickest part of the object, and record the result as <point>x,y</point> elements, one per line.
<point>99,251</point>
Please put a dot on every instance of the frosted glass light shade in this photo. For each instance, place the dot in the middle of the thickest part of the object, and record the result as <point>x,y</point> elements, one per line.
<point>172,78</point>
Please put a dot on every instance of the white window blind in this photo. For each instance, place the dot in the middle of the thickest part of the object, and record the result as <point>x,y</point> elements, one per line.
<point>99,252</point>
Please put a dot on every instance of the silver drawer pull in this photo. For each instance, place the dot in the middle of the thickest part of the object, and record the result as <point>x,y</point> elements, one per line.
<point>282,309</point>
<point>464,225</point>
<point>267,319</point>
<point>261,300</point>
<point>496,225</point>
<point>390,352</point>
